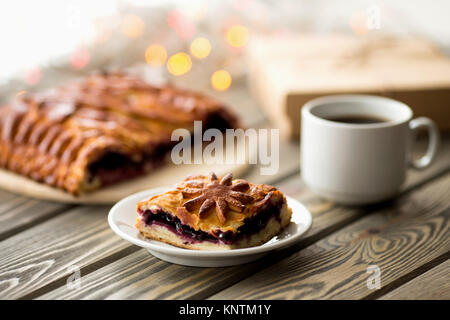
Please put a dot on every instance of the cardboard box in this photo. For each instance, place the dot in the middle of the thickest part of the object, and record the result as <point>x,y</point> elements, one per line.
<point>285,72</point>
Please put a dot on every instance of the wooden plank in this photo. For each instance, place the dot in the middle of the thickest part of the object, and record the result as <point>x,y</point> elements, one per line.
<point>18,212</point>
<point>431,285</point>
<point>142,276</point>
<point>5,196</point>
<point>401,239</point>
<point>42,255</point>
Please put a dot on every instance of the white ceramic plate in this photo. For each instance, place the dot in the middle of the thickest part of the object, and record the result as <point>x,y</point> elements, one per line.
<point>122,219</point>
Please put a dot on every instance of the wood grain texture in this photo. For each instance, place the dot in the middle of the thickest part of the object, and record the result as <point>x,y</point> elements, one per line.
<point>41,255</point>
<point>400,239</point>
<point>18,213</point>
<point>432,285</point>
<point>142,276</point>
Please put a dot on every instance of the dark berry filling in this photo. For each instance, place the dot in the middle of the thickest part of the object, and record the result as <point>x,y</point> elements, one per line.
<point>251,225</point>
<point>114,167</point>
<point>160,217</point>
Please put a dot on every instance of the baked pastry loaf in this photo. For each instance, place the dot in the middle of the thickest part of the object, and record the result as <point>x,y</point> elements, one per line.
<point>208,213</point>
<point>104,129</point>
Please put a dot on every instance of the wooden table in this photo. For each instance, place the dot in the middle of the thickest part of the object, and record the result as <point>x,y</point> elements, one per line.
<point>43,245</point>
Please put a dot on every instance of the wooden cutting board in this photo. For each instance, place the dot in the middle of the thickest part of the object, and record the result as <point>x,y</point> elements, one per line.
<point>167,175</point>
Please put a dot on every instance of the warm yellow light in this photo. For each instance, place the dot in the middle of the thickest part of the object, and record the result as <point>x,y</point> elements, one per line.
<point>180,63</point>
<point>155,55</point>
<point>237,36</point>
<point>133,26</point>
<point>221,80</point>
<point>200,48</point>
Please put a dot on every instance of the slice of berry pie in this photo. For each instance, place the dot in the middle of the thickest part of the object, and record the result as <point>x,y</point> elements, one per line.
<point>208,213</point>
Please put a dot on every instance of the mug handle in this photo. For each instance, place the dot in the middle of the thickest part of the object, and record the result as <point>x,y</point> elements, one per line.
<point>433,141</point>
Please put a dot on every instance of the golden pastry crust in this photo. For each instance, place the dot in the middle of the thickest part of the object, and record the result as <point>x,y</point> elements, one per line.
<point>57,136</point>
<point>176,198</point>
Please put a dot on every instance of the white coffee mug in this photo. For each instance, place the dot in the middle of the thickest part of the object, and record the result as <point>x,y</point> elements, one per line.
<point>353,163</point>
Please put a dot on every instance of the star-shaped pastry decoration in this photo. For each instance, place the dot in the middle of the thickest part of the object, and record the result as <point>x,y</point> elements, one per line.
<point>222,195</point>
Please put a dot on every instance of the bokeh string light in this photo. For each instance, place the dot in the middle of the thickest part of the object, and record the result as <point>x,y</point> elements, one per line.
<point>182,40</point>
<point>237,36</point>
<point>184,27</point>
<point>80,58</point>
<point>155,55</point>
<point>213,35</point>
<point>33,77</point>
<point>200,48</point>
<point>132,26</point>
<point>179,64</point>
<point>221,80</point>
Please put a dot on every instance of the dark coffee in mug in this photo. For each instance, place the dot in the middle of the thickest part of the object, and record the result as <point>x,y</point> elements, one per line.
<point>352,162</point>
<point>357,119</point>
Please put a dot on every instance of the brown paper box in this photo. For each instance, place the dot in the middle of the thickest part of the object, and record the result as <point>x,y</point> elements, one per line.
<point>284,73</point>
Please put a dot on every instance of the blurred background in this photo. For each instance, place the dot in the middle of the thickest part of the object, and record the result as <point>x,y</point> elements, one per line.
<point>197,44</point>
